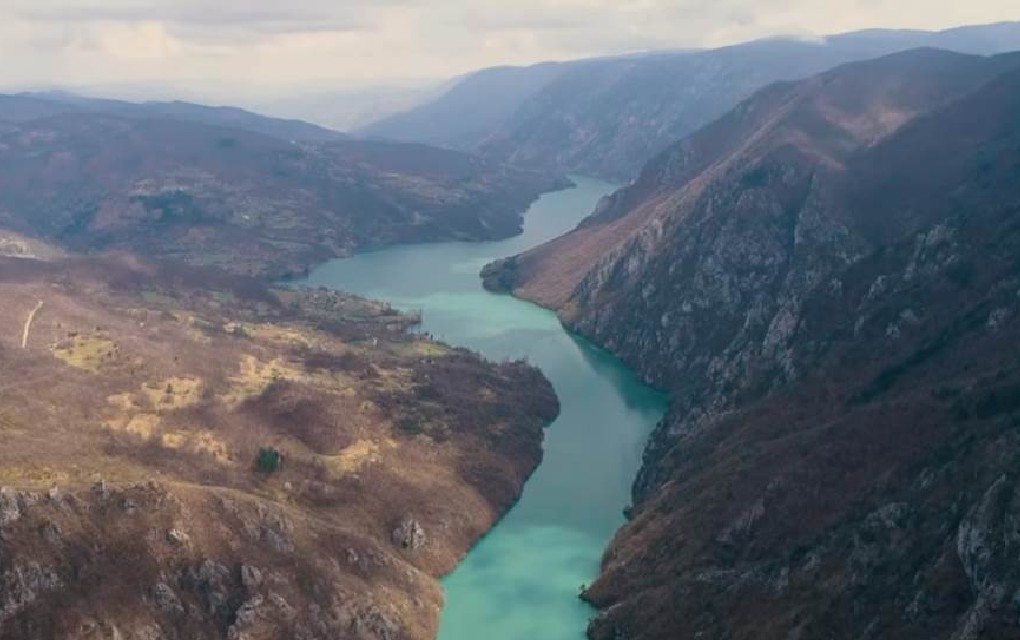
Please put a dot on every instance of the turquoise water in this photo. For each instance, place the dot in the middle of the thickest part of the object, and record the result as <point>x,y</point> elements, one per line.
<point>521,581</point>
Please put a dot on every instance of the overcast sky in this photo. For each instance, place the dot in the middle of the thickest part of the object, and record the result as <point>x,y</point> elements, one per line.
<point>281,43</point>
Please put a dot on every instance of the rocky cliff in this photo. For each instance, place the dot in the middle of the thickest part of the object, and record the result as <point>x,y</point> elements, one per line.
<point>190,455</point>
<point>826,282</point>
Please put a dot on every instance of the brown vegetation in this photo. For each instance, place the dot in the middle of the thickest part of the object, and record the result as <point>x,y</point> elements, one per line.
<point>131,505</point>
<point>245,202</point>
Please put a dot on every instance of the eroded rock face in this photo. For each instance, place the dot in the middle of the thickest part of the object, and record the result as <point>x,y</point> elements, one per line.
<point>165,599</point>
<point>23,584</point>
<point>838,338</point>
<point>10,510</point>
<point>215,597</point>
<point>987,544</point>
<point>409,534</point>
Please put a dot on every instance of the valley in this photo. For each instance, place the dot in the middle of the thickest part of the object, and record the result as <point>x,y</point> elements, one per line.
<point>683,343</point>
<point>523,578</point>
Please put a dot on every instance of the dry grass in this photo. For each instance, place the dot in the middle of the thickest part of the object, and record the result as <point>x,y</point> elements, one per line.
<point>255,377</point>
<point>202,442</point>
<point>87,352</point>
<point>287,336</point>
<point>416,348</point>
<point>173,393</point>
<point>128,391</point>
<point>359,455</point>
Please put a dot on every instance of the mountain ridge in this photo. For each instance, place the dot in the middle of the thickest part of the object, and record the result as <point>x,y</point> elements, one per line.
<point>607,117</point>
<point>825,281</point>
<point>246,201</point>
<point>59,102</point>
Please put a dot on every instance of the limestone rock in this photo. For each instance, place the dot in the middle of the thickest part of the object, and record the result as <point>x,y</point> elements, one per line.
<point>409,534</point>
<point>165,599</point>
<point>251,577</point>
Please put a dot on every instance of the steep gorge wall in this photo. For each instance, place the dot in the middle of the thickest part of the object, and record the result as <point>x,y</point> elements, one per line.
<point>826,281</point>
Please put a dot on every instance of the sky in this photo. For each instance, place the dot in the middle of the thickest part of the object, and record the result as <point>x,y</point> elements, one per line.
<point>276,46</point>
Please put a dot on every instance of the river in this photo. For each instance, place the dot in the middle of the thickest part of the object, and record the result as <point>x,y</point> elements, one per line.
<point>521,581</point>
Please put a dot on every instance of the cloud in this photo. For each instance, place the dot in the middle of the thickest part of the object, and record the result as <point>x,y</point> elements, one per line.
<point>274,46</point>
<point>205,21</point>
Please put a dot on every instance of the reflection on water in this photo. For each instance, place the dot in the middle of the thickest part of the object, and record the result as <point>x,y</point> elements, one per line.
<point>521,581</point>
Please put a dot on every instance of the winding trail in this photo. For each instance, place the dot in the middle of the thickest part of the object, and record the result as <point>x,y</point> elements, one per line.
<point>28,324</point>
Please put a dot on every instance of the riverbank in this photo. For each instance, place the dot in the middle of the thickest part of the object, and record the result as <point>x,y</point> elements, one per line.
<point>522,579</point>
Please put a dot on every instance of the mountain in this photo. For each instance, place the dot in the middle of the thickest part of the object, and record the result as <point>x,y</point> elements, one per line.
<point>466,114</point>
<point>188,454</point>
<point>244,201</point>
<point>50,103</point>
<point>607,117</point>
<point>18,109</point>
<point>826,281</point>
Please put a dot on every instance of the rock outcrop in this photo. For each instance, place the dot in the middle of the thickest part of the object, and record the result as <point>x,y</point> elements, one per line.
<point>409,534</point>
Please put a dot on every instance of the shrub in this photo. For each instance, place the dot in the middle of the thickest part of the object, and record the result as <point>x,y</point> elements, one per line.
<point>411,426</point>
<point>268,460</point>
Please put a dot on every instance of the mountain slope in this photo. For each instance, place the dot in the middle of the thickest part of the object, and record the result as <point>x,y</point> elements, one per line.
<point>463,116</point>
<point>193,455</point>
<point>607,117</point>
<point>826,282</point>
<point>243,201</point>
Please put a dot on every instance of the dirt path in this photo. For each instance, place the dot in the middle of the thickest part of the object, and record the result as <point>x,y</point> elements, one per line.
<point>28,325</point>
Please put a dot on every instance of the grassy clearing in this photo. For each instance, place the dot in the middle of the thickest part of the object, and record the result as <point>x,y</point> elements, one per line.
<point>394,380</point>
<point>124,402</point>
<point>278,334</point>
<point>255,377</point>
<point>143,425</point>
<point>173,393</point>
<point>86,352</point>
<point>419,349</point>
<point>199,441</point>
<point>357,456</point>
<point>34,476</point>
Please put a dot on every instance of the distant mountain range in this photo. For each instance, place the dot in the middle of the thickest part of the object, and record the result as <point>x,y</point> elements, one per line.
<point>826,280</point>
<point>230,188</point>
<point>607,117</point>
<point>31,106</point>
<point>471,110</point>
